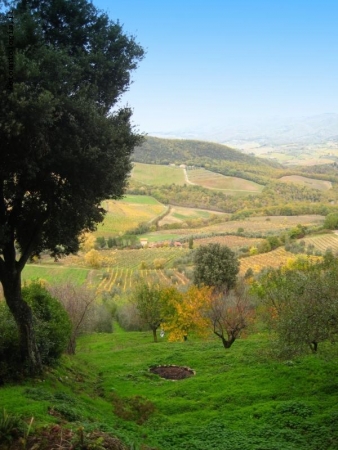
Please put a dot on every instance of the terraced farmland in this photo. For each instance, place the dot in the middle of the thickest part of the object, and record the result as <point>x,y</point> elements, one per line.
<point>323,242</point>
<point>125,279</point>
<point>212,180</point>
<point>233,242</point>
<point>275,259</point>
<point>132,259</point>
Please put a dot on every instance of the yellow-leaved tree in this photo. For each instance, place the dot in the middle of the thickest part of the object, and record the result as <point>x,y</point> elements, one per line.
<point>188,313</point>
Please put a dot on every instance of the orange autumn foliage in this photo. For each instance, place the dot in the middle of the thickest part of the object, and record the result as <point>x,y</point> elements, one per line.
<point>189,313</point>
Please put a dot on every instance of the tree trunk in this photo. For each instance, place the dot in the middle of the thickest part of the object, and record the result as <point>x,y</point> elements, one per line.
<point>154,334</point>
<point>228,344</point>
<point>314,346</point>
<point>29,352</point>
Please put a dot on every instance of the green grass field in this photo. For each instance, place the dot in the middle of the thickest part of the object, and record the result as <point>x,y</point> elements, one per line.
<point>239,399</point>
<point>157,175</point>
<point>55,274</point>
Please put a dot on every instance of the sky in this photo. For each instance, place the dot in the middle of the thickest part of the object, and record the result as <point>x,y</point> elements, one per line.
<point>210,62</point>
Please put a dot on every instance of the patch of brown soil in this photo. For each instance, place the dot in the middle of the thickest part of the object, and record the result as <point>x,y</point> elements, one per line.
<point>172,372</point>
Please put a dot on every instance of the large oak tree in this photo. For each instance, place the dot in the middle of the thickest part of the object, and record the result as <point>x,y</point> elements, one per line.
<point>65,144</point>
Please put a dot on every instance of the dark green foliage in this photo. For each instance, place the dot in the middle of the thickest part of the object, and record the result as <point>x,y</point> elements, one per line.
<point>63,150</point>
<point>52,327</point>
<point>216,266</point>
<point>52,324</point>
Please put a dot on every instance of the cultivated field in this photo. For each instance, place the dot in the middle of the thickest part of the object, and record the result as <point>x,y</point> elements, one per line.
<point>323,242</point>
<point>157,175</point>
<point>312,183</point>
<point>123,215</point>
<point>125,279</point>
<point>217,181</point>
<point>233,242</point>
<point>179,214</point>
<point>55,273</point>
<point>252,225</point>
<point>275,259</point>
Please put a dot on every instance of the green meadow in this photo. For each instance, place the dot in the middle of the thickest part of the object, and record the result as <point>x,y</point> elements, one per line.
<point>54,274</point>
<point>157,175</point>
<point>239,399</point>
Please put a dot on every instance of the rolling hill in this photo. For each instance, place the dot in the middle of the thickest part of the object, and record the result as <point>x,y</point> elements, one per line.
<point>182,151</point>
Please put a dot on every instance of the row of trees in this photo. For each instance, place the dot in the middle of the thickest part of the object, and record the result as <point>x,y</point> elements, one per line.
<point>216,301</point>
<point>298,303</point>
<point>275,199</point>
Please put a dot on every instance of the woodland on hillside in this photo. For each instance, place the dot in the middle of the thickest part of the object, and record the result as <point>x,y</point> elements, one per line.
<point>225,160</point>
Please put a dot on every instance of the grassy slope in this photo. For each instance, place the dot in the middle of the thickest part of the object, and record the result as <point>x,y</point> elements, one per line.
<point>123,215</point>
<point>157,175</point>
<point>239,399</point>
<point>55,273</point>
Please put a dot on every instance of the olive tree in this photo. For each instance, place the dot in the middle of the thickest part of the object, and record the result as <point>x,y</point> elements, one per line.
<point>301,305</point>
<point>65,143</point>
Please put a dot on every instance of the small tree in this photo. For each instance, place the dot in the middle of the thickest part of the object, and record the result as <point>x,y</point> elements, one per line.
<point>188,313</point>
<point>331,221</point>
<point>230,313</point>
<point>79,303</point>
<point>150,302</point>
<point>301,304</point>
<point>93,259</point>
<point>216,266</point>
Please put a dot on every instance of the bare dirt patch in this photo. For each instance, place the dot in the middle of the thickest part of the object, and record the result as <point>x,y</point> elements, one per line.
<point>172,372</point>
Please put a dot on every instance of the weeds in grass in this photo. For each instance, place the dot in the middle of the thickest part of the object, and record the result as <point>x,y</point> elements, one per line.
<point>11,427</point>
<point>136,409</point>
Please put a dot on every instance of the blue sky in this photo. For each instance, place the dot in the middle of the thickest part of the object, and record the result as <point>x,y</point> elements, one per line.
<point>209,62</point>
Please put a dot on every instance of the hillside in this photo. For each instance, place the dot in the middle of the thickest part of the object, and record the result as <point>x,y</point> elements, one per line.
<point>215,157</point>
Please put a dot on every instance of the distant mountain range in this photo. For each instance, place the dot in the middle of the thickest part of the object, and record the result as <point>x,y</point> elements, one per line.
<point>274,132</point>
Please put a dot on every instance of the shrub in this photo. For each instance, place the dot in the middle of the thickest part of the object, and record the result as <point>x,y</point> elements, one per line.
<point>52,328</point>
<point>52,324</point>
